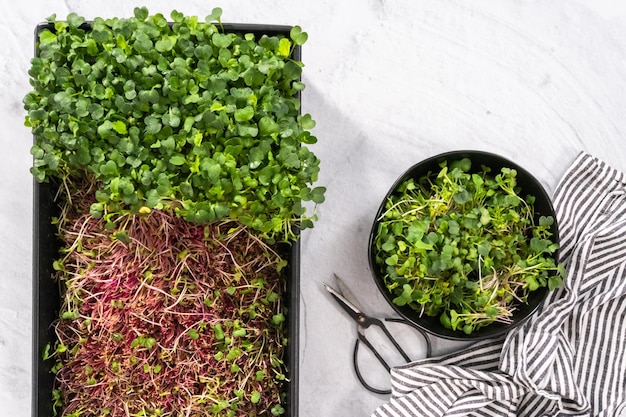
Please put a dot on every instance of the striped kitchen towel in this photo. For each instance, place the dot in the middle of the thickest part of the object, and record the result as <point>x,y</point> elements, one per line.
<point>570,358</point>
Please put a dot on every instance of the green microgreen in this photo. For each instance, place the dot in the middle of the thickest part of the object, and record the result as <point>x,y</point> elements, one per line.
<point>181,116</point>
<point>464,245</point>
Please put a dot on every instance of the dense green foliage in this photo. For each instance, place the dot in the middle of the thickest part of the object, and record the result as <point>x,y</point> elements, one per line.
<point>184,116</point>
<point>464,246</point>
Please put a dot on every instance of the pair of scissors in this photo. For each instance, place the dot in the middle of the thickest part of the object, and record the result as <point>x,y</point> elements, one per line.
<point>348,301</point>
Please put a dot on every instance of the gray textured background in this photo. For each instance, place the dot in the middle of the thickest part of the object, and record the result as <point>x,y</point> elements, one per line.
<point>389,83</point>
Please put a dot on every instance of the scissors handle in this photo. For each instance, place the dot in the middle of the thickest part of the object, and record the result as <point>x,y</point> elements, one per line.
<point>358,371</point>
<point>369,321</point>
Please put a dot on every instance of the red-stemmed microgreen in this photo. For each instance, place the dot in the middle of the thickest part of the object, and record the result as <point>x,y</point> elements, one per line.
<point>177,319</point>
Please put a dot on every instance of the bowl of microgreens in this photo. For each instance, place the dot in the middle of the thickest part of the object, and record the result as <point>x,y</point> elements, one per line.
<point>465,245</point>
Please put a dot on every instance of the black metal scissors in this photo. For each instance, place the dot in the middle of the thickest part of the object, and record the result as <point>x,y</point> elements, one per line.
<point>346,299</point>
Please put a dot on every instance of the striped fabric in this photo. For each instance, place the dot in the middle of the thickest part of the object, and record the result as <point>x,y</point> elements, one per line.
<point>570,358</point>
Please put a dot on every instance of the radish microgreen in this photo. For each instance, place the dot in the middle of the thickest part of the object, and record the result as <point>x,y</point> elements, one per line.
<point>464,245</point>
<point>181,154</point>
<point>181,116</point>
<point>129,343</point>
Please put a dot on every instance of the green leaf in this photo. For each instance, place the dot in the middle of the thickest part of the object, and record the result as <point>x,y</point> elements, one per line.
<point>453,227</point>
<point>165,44</point>
<point>462,197</point>
<point>318,194</point>
<point>455,320</point>
<point>306,122</point>
<point>245,114</point>
<point>278,319</point>
<point>122,236</point>
<point>168,144</point>
<point>96,210</point>
<point>104,130</point>
<point>289,157</point>
<point>492,312</point>
<point>141,13</point>
<point>255,397</point>
<point>267,126</point>
<point>464,164</point>
<point>254,78</point>
<point>177,159</point>
<point>277,410</point>
<point>546,221</point>
<point>233,354</point>
<point>221,40</point>
<point>292,71</point>
<point>445,320</point>
<point>221,405</point>
<point>177,16</point>
<point>218,331</point>
<point>406,297</point>
<point>477,180</point>
<point>46,353</point>
<point>389,246</point>
<point>484,248</point>
<point>149,342</point>
<point>247,130</point>
<point>119,127</point>
<point>215,15</point>
<point>532,283</point>
<point>298,36</point>
<point>109,169</point>
<point>69,315</point>
<point>538,245</point>
<point>284,47</point>
<point>171,119</point>
<point>74,20</point>
<point>153,125</point>
<point>210,169</point>
<point>46,37</point>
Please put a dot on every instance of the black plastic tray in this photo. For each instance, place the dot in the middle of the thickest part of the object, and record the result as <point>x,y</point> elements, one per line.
<point>46,293</point>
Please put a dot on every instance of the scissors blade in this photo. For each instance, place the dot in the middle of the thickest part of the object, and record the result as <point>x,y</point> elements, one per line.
<point>350,308</point>
<point>343,289</point>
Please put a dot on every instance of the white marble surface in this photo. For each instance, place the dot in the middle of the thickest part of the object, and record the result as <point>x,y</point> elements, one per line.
<point>389,83</point>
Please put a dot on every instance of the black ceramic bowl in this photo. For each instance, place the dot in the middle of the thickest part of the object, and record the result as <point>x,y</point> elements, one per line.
<point>528,184</point>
